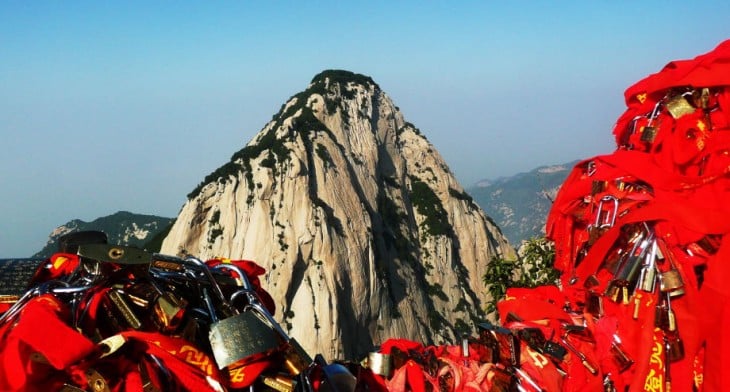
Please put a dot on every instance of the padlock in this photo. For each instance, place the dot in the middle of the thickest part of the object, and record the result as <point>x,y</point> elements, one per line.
<point>487,339</point>
<point>594,304</point>
<point>678,106</point>
<point>665,317</point>
<point>379,363</point>
<point>648,134</point>
<point>674,347</point>
<point>505,345</point>
<point>613,292</point>
<point>623,361</point>
<point>122,308</point>
<point>241,335</point>
<point>629,270</point>
<point>279,383</point>
<point>117,254</point>
<point>167,309</point>
<point>670,281</point>
<point>647,276</point>
<point>296,358</point>
<point>554,350</point>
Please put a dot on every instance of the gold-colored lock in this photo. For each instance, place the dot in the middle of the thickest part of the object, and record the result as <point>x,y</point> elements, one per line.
<point>648,134</point>
<point>296,360</point>
<point>123,309</point>
<point>678,106</point>
<point>670,281</point>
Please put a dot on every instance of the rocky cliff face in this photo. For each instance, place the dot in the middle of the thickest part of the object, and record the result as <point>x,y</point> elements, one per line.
<point>363,230</point>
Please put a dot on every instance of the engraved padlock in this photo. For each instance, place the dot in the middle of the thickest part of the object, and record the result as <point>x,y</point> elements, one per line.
<point>296,359</point>
<point>678,106</point>
<point>237,336</point>
<point>121,308</point>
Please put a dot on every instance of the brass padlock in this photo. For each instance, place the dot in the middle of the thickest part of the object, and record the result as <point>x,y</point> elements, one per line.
<point>678,106</point>
<point>279,383</point>
<point>671,281</point>
<point>648,134</point>
<point>296,360</point>
<point>123,309</point>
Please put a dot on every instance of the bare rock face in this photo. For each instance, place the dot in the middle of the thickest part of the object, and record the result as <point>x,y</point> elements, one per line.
<point>363,230</point>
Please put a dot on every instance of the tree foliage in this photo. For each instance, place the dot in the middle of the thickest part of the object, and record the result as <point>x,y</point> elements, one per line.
<point>532,268</point>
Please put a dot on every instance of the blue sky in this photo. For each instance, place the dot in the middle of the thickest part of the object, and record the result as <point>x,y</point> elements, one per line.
<point>108,106</point>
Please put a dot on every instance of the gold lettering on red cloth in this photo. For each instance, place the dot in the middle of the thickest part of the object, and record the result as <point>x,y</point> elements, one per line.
<point>654,381</point>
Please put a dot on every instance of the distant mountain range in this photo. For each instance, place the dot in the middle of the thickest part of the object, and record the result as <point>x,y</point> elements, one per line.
<point>121,228</point>
<point>519,204</point>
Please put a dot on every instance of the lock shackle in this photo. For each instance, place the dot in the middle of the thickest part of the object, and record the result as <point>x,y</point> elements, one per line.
<point>200,265</point>
<point>608,219</point>
<point>275,325</point>
<point>41,289</point>
<point>245,284</point>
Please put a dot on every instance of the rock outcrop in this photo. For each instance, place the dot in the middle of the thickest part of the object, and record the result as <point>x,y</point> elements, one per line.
<point>363,230</point>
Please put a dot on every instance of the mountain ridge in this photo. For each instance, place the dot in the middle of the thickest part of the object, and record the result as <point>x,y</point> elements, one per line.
<point>363,228</point>
<point>121,228</point>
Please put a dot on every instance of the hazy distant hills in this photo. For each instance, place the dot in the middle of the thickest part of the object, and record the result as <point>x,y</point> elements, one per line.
<point>519,204</point>
<point>121,228</point>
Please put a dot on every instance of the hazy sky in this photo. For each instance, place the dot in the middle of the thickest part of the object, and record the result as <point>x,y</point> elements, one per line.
<point>108,106</point>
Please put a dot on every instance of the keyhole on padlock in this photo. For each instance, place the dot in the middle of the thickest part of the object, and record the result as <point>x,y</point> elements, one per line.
<point>116,253</point>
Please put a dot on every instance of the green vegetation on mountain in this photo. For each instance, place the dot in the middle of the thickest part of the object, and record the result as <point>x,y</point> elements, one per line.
<point>534,267</point>
<point>121,228</point>
<point>426,202</point>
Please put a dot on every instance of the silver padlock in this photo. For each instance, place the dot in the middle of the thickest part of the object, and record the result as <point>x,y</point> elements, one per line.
<point>296,359</point>
<point>238,335</point>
